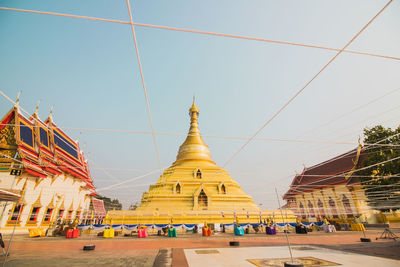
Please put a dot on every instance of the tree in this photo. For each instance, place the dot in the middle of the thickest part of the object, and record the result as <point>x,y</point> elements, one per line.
<point>110,204</point>
<point>381,183</point>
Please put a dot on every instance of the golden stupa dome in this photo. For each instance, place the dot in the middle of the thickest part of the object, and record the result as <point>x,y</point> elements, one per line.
<point>194,148</point>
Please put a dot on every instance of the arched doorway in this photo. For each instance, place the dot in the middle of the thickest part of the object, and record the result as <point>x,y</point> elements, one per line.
<point>223,189</point>
<point>178,188</point>
<point>198,174</point>
<point>202,199</point>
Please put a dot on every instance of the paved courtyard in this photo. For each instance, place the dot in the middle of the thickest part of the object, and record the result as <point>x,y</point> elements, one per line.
<point>181,251</point>
<point>277,255</point>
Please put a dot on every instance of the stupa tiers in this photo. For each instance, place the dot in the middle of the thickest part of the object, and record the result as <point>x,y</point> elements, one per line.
<point>194,190</point>
<point>194,182</point>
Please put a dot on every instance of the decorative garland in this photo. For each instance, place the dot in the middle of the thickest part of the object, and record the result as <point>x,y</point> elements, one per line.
<point>131,227</point>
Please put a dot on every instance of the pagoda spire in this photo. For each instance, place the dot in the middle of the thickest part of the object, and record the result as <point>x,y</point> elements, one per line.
<point>194,148</point>
<point>194,112</point>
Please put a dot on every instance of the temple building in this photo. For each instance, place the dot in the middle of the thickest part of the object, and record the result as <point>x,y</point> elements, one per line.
<point>43,174</point>
<point>194,189</point>
<point>330,190</point>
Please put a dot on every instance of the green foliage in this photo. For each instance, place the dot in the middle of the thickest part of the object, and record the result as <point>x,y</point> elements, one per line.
<point>110,204</point>
<point>382,184</point>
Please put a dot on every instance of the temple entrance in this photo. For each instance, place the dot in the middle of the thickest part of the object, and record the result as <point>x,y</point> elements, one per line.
<point>202,200</point>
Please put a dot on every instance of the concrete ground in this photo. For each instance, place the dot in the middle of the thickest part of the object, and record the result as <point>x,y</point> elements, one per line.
<point>164,251</point>
<point>277,255</point>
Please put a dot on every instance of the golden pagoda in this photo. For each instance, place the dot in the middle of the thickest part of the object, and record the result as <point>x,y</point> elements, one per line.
<point>194,182</point>
<point>194,190</point>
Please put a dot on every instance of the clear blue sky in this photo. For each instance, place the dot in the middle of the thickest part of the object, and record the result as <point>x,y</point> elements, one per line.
<point>88,70</point>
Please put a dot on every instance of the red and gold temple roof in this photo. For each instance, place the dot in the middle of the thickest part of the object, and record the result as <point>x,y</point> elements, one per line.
<point>43,148</point>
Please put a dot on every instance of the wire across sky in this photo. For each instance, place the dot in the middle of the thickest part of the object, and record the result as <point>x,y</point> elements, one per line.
<point>254,137</point>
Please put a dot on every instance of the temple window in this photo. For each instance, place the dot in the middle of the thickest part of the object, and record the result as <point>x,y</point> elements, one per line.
<point>69,216</point>
<point>78,214</point>
<point>178,188</point>
<point>332,205</point>
<point>347,207</point>
<point>47,215</point>
<point>321,207</point>
<point>16,212</point>
<point>60,213</point>
<point>311,208</point>
<point>302,213</point>
<point>43,136</point>
<point>202,199</point>
<point>223,189</point>
<point>34,214</point>
<point>198,174</point>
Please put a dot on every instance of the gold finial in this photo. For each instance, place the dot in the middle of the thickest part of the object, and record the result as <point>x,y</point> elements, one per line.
<point>51,113</point>
<point>193,109</point>
<point>17,101</point>
<point>37,107</point>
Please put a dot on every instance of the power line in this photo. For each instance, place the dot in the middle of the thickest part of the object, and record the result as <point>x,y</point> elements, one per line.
<point>208,136</point>
<point>344,173</point>
<point>200,32</point>
<point>127,181</point>
<point>304,87</point>
<point>342,156</point>
<point>352,111</point>
<point>143,83</point>
<point>350,152</point>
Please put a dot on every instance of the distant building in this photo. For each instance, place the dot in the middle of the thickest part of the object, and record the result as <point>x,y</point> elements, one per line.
<point>45,168</point>
<point>329,189</point>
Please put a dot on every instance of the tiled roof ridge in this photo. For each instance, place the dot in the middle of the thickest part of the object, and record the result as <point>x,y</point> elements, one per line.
<point>341,156</point>
<point>297,184</point>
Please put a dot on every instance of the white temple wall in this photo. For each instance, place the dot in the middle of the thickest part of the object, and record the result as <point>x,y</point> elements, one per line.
<point>60,192</point>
